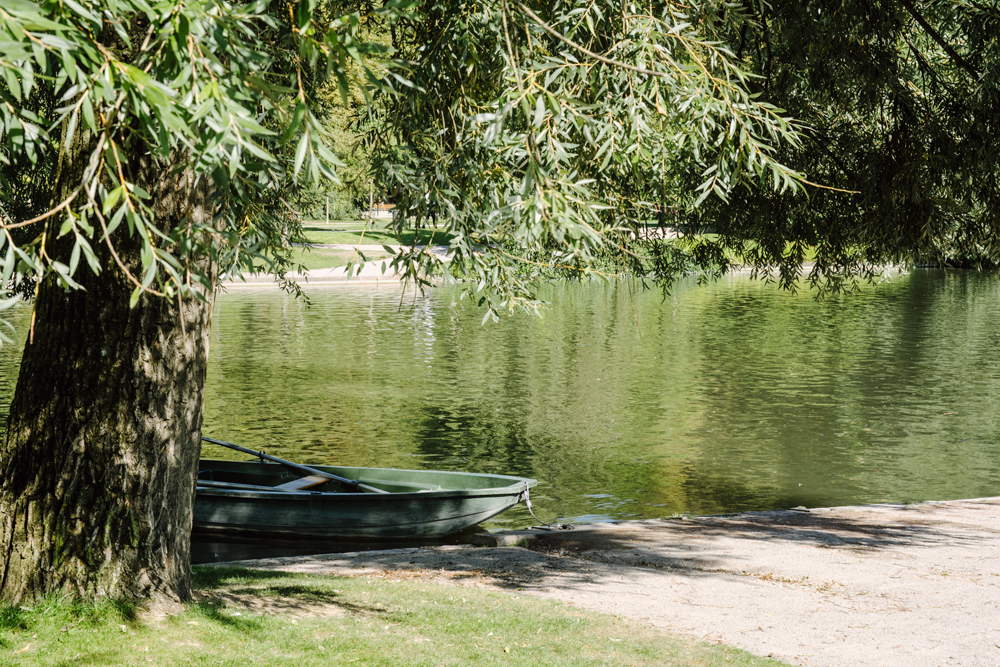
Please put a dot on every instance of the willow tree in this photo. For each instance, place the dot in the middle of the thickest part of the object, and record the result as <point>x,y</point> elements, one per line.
<point>595,114</point>
<point>548,135</point>
<point>149,147</point>
<point>145,147</point>
<point>900,103</point>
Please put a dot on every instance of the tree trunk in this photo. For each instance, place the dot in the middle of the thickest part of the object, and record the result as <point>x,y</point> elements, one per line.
<point>98,467</point>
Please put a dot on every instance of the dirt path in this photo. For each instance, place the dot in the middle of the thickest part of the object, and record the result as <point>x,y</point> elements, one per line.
<point>913,586</point>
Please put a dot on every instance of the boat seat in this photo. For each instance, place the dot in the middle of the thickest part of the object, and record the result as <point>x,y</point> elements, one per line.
<point>301,483</point>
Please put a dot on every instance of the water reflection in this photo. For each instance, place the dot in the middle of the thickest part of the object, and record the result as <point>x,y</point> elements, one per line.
<point>719,398</point>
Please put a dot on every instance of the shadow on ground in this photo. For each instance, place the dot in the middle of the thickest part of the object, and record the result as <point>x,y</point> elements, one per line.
<point>219,592</point>
<point>691,547</point>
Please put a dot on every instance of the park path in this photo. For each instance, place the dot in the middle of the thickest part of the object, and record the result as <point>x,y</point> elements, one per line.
<point>867,586</point>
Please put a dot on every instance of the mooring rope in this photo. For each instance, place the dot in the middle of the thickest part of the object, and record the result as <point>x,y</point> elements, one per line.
<point>545,526</point>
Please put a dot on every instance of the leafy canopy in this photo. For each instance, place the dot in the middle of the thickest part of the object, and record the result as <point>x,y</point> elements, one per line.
<point>544,135</point>
<point>223,90</point>
<point>900,103</point>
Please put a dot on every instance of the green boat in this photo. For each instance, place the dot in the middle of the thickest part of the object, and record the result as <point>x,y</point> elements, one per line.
<point>273,497</point>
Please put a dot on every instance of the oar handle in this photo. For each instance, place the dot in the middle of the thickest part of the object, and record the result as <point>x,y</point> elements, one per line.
<point>297,466</point>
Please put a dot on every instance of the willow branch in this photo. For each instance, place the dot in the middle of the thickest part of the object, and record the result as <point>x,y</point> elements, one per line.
<point>66,202</point>
<point>582,49</point>
<point>936,36</point>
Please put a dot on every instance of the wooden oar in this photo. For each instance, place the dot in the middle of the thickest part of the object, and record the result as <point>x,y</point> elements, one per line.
<point>353,483</point>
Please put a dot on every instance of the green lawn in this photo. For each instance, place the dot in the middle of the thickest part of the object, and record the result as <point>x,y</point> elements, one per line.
<point>250,617</point>
<point>362,232</point>
<point>328,258</point>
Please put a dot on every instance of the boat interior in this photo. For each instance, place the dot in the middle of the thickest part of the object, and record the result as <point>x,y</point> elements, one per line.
<point>257,476</point>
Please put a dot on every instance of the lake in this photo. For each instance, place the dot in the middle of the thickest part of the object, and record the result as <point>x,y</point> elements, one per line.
<point>624,403</point>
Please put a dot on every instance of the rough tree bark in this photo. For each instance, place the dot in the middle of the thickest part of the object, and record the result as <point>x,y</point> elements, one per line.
<point>98,467</point>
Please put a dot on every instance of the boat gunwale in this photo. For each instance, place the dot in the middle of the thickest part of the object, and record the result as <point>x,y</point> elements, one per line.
<point>518,485</point>
<point>383,497</point>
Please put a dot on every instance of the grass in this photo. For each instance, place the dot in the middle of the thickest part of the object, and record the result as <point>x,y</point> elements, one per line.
<point>249,617</point>
<point>328,258</point>
<point>354,232</point>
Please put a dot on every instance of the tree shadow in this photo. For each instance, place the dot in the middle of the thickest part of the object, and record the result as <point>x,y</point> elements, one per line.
<point>792,526</point>
<point>222,592</point>
<point>692,547</point>
<point>215,577</point>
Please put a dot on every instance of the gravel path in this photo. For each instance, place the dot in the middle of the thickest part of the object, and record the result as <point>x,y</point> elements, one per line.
<point>881,585</point>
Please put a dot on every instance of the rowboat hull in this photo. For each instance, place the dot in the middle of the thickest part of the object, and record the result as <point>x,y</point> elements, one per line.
<point>419,505</point>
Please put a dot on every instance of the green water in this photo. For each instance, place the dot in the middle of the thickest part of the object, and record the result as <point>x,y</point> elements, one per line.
<point>719,398</point>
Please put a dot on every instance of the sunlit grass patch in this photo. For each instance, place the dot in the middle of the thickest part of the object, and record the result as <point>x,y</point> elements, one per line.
<point>368,234</point>
<point>329,258</point>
